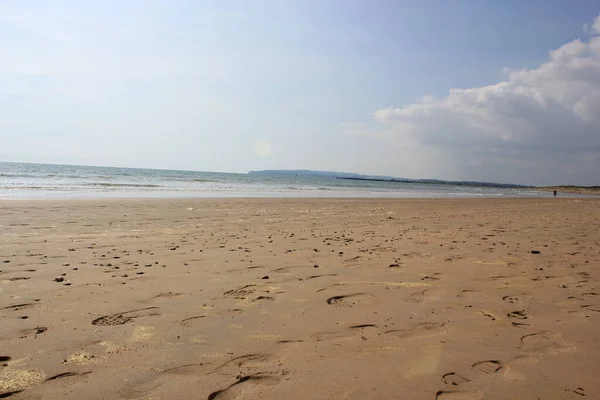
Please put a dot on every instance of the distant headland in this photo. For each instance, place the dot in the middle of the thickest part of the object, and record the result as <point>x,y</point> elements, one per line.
<point>378,178</point>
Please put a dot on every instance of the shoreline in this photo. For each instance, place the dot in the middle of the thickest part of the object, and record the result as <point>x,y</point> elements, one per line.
<point>582,190</point>
<point>390,197</point>
<point>279,200</point>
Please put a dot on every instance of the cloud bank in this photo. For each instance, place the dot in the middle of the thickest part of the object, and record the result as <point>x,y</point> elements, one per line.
<point>539,126</point>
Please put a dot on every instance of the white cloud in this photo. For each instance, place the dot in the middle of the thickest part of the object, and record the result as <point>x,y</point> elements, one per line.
<point>596,25</point>
<point>539,126</point>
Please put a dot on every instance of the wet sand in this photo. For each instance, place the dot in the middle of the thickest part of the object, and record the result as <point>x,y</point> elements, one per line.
<point>582,190</point>
<point>300,299</point>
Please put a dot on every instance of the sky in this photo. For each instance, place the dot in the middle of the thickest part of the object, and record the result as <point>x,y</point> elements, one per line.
<point>503,91</point>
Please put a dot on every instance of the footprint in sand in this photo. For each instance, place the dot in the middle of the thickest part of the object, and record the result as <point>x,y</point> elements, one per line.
<point>19,278</point>
<point>542,343</point>
<point>334,286</point>
<point>480,369</point>
<point>319,276</point>
<point>500,277</point>
<point>264,298</point>
<point>66,375</point>
<point>111,320</point>
<point>591,307</point>
<point>247,363</point>
<point>287,342</point>
<point>519,324</point>
<point>417,297</point>
<point>188,369</point>
<point>161,296</point>
<point>491,316</point>
<point>33,332</point>
<point>187,322</point>
<point>281,270</point>
<point>19,307</point>
<point>260,369</point>
<point>124,317</point>
<point>287,270</point>
<point>518,315</point>
<point>240,293</point>
<point>421,329</point>
<point>457,395</point>
<point>488,367</point>
<point>468,293</point>
<point>363,331</point>
<point>140,388</point>
<point>348,299</point>
<point>454,379</point>
<point>517,299</point>
<point>229,392</point>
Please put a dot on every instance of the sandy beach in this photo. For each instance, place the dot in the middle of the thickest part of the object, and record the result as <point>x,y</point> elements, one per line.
<point>300,299</point>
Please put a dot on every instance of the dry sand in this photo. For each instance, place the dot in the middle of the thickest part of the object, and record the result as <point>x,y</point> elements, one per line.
<point>300,299</point>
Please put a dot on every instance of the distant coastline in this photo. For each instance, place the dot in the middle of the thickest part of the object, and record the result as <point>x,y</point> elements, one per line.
<point>359,177</point>
<point>441,182</point>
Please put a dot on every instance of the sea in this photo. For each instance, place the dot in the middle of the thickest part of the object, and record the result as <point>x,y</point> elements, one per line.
<point>49,181</point>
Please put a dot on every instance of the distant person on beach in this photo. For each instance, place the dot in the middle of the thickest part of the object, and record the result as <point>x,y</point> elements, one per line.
<point>555,193</point>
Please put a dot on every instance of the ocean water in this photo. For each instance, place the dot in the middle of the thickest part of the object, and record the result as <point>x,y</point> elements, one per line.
<point>40,181</point>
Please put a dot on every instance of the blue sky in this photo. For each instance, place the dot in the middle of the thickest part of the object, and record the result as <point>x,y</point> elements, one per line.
<point>357,86</point>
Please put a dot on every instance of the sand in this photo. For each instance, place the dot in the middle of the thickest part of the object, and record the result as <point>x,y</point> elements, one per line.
<point>300,299</point>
